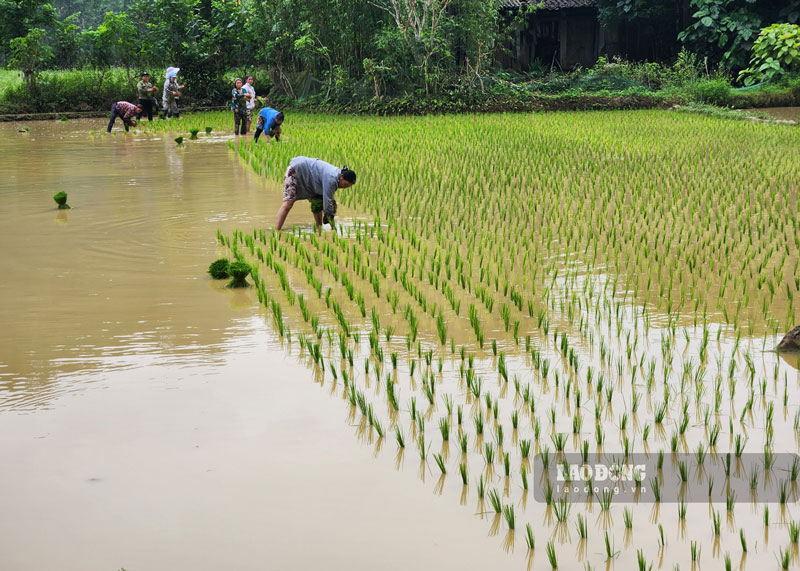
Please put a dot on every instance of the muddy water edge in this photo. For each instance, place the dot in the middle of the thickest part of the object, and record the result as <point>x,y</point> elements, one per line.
<point>149,417</point>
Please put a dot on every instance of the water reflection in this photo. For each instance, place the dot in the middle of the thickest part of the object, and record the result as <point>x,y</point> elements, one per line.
<point>113,284</point>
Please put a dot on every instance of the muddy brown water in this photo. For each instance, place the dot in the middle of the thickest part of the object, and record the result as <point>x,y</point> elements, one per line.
<point>785,113</point>
<point>149,418</point>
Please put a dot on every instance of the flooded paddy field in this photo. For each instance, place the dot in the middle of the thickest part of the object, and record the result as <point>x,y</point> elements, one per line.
<point>505,294</point>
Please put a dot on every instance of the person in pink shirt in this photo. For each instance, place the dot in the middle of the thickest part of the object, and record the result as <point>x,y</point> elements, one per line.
<point>125,111</point>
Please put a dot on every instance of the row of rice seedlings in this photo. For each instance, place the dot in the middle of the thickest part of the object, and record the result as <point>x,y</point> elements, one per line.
<point>578,303</point>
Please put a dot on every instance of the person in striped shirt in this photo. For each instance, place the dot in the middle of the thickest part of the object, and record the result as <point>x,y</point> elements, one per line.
<point>125,111</point>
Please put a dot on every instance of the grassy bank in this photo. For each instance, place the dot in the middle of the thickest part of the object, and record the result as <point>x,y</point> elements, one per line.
<point>89,90</point>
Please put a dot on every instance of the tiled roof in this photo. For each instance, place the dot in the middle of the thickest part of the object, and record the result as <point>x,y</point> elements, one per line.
<point>548,4</point>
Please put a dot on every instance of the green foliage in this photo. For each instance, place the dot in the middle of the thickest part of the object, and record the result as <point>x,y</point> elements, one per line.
<point>19,17</point>
<point>114,41</point>
<point>725,30</point>
<point>61,199</point>
<point>220,269</point>
<point>239,271</point>
<point>67,42</point>
<point>9,78</point>
<point>776,52</point>
<point>75,90</point>
<point>712,91</point>
<point>30,54</point>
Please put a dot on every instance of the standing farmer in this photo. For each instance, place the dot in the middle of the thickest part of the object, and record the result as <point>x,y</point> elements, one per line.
<point>316,181</point>
<point>169,98</point>
<point>239,99</point>
<point>125,111</point>
<point>251,103</point>
<point>146,91</point>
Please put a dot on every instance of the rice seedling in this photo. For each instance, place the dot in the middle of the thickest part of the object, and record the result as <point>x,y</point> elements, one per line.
<point>481,488</point>
<point>399,438</point>
<point>378,427</point>
<point>784,557</point>
<point>700,454</point>
<point>694,551</point>
<point>794,531</point>
<point>611,553</point>
<point>581,526</point>
<point>642,562</point>
<point>547,490</point>
<point>561,510</point>
<point>508,514</point>
<point>715,522</point>
<point>529,539</point>
<point>422,448</point>
<point>488,453</point>
<point>551,555</point>
<point>627,518</point>
<point>440,462</point>
<point>463,442</point>
<point>743,540</point>
<point>656,489</point>
<point>477,419</point>
<point>494,500</point>
<point>606,496</point>
<point>444,428</point>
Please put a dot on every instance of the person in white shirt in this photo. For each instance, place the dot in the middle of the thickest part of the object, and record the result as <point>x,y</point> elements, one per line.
<point>251,102</point>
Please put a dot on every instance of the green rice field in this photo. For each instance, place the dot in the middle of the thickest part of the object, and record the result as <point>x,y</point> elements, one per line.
<point>505,291</point>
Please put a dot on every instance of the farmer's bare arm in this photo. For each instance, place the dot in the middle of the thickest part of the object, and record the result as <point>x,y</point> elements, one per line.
<point>283,211</point>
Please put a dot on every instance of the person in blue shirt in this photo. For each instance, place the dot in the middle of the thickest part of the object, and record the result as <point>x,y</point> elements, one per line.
<point>269,120</point>
<point>316,181</point>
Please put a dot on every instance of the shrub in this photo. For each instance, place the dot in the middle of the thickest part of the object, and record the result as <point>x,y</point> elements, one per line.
<point>220,269</point>
<point>75,90</point>
<point>776,51</point>
<point>712,91</point>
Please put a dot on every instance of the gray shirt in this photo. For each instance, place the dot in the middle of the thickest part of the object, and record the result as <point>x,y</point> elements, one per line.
<point>315,178</point>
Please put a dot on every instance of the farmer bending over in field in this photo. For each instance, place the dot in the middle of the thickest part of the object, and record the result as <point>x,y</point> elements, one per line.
<point>269,120</point>
<point>317,181</point>
<point>125,111</point>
